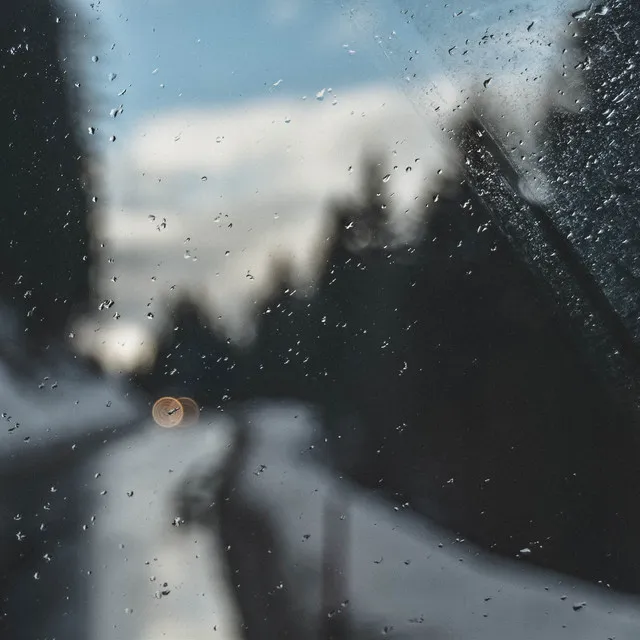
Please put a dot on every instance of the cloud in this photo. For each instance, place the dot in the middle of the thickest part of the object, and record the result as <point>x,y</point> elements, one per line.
<point>272,168</point>
<point>282,145</point>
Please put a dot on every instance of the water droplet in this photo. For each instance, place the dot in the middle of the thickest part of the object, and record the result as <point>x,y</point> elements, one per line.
<point>485,84</point>
<point>112,138</point>
<point>150,315</point>
<point>204,178</point>
<point>386,178</point>
<point>105,304</point>
<point>320,95</point>
<point>94,58</point>
<point>91,130</point>
<point>112,76</point>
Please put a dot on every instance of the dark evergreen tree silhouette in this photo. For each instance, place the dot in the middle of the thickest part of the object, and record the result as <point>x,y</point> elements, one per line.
<point>192,359</point>
<point>591,157</point>
<point>44,279</point>
<point>280,358</point>
<point>44,253</point>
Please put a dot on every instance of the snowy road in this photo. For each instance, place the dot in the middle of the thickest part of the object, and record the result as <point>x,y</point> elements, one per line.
<point>144,575</point>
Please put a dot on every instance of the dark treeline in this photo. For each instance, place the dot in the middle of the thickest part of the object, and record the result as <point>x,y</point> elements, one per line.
<point>447,377</point>
<point>591,155</point>
<point>44,281</point>
<point>449,373</point>
<point>44,252</point>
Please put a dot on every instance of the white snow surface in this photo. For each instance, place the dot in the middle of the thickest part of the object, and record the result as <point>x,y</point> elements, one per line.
<point>405,577</point>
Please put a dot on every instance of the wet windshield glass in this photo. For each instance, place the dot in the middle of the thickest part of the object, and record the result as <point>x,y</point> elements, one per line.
<point>319,320</point>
